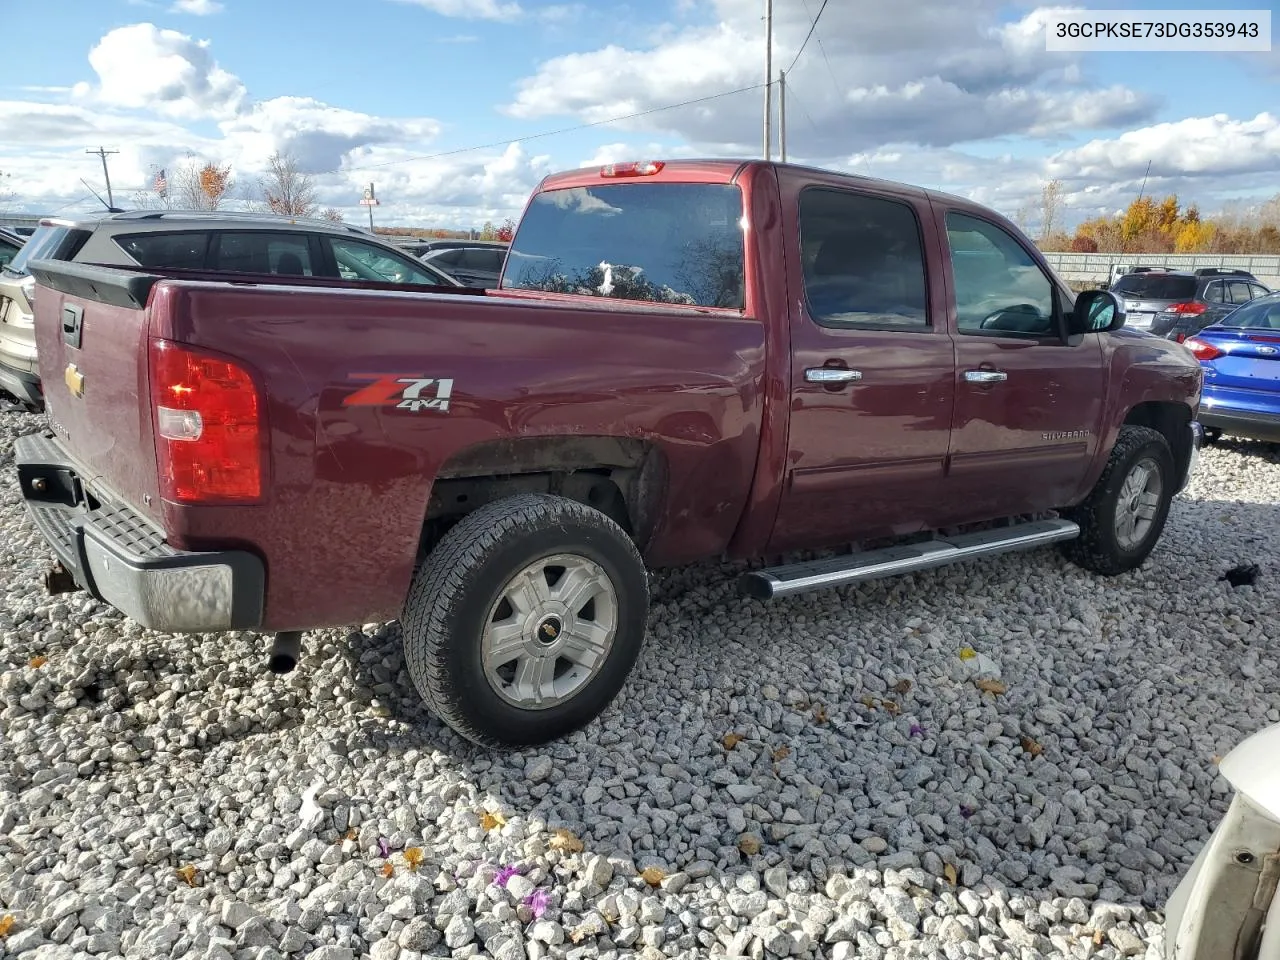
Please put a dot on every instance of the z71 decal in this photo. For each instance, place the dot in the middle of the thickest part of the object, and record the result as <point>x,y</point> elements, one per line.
<point>403,391</point>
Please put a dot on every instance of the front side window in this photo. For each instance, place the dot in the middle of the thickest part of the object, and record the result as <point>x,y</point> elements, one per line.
<point>363,261</point>
<point>260,251</point>
<point>999,289</point>
<point>862,259</point>
<point>1257,290</point>
<point>678,243</point>
<point>171,251</point>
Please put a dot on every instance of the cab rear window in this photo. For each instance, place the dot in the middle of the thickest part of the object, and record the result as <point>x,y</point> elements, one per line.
<point>678,243</point>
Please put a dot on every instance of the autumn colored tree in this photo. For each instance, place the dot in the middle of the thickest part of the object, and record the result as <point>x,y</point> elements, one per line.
<point>201,186</point>
<point>286,189</point>
<point>507,231</point>
<point>1083,244</point>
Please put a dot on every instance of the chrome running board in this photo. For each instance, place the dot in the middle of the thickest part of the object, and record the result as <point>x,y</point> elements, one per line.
<point>838,571</point>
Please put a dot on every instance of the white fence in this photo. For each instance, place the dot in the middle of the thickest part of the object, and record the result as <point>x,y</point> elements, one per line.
<point>1097,266</point>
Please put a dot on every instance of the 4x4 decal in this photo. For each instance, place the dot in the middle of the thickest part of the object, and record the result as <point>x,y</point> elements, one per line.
<point>410,391</point>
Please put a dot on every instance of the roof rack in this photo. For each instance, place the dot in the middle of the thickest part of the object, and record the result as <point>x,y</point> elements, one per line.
<point>1222,272</point>
<point>234,215</point>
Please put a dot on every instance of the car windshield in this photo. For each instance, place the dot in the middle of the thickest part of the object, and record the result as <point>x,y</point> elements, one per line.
<point>679,243</point>
<point>1260,314</point>
<point>1156,286</point>
<point>43,242</point>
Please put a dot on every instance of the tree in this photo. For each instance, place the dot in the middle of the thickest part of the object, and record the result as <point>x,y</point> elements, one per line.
<point>507,231</point>
<point>1050,207</point>
<point>488,231</point>
<point>286,189</point>
<point>1083,244</point>
<point>333,214</point>
<point>200,186</point>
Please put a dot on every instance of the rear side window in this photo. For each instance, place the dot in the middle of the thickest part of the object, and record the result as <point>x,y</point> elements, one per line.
<point>173,251</point>
<point>48,243</point>
<point>1258,290</point>
<point>262,252</point>
<point>862,258</point>
<point>1213,292</point>
<point>679,243</point>
<point>1150,286</point>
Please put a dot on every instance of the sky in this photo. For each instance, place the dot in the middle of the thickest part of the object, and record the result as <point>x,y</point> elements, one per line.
<point>421,97</point>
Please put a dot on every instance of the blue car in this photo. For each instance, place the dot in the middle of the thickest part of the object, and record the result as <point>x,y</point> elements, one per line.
<point>1240,355</point>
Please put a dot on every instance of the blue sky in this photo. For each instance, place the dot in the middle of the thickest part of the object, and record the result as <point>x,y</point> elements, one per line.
<point>958,94</point>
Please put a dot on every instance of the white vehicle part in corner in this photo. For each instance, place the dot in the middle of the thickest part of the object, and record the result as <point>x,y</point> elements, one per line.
<point>1227,907</point>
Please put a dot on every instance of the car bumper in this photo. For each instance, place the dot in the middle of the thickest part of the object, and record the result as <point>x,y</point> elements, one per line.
<point>121,559</point>
<point>22,385</point>
<point>1252,424</point>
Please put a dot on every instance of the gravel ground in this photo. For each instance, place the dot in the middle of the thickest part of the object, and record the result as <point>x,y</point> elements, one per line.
<point>166,797</point>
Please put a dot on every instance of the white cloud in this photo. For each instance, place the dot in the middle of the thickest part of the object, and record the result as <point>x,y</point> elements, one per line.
<point>470,9</point>
<point>197,8</point>
<point>144,67</point>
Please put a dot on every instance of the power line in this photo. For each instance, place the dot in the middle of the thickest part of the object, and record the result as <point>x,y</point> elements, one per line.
<point>553,133</point>
<point>813,26</point>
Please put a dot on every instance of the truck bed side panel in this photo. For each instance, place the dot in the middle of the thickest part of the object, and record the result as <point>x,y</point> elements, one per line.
<point>349,485</point>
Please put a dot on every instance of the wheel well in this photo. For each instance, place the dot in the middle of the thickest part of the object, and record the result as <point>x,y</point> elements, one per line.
<point>621,477</point>
<point>1172,420</point>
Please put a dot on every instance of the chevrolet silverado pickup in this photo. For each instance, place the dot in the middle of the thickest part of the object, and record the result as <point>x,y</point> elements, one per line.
<point>682,361</point>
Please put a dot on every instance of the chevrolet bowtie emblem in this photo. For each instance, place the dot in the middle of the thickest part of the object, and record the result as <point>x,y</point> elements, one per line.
<point>75,380</point>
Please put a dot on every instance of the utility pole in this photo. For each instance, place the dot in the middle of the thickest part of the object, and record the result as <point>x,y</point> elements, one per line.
<point>768,78</point>
<point>111,201</point>
<point>782,115</point>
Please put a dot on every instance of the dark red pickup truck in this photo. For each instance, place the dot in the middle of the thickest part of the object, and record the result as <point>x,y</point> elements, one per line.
<point>684,361</point>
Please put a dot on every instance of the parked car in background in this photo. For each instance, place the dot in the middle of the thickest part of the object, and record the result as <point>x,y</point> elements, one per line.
<point>476,263</point>
<point>654,384</point>
<point>10,244</point>
<point>1227,906</point>
<point>239,243</point>
<point>1241,359</point>
<point>1174,304</point>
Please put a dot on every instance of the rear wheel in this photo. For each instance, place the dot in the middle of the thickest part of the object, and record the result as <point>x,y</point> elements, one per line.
<point>1122,518</point>
<point>523,623</point>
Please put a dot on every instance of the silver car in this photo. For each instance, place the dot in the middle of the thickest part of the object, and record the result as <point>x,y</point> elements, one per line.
<point>190,240</point>
<point>1227,907</point>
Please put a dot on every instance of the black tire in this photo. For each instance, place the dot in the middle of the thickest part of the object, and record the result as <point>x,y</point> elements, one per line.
<point>1099,548</point>
<point>1212,435</point>
<point>457,587</point>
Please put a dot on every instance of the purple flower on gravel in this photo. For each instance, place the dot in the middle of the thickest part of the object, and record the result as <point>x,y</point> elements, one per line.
<point>384,848</point>
<point>537,903</point>
<point>504,874</point>
<point>917,730</point>
<point>966,811</point>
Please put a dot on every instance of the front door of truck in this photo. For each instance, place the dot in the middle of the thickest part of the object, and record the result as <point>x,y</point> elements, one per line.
<point>1028,399</point>
<point>872,367</point>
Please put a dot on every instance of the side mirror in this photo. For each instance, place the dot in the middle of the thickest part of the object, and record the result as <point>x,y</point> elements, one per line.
<point>1096,311</point>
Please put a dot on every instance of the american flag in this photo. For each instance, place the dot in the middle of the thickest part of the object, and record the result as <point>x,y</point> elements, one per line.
<point>161,184</point>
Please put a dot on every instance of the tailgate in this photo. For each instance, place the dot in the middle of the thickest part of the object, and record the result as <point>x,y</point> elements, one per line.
<point>1249,361</point>
<point>91,341</point>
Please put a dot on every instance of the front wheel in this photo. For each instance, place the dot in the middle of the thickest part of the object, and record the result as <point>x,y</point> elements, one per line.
<point>1125,513</point>
<point>524,621</point>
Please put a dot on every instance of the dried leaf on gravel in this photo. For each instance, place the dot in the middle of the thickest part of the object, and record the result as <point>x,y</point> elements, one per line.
<point>749,844</point>
<point>781,753</point>
<point>902,687</point>
<point>187,874</point>
<point>491,820</point>
<point>993,687</point>
<point>731,740</point>
<point>38,661</point>
<point>1032,747</point>
<point>967,653</point>
<point>652,876</point>
<point>820,714</point>
<point>579,933</point>
<point>6,924</point>
<point>1216,759</point>
<point>413,858</point>
<point>949,873</point>
<point>869,702</point>
<point>891,707</point>
<point>566,841</point>
<point>353,834</point>
<point>1099,938</point>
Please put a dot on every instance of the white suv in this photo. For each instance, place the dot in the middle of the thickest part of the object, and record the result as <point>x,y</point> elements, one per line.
<point>190,240</point>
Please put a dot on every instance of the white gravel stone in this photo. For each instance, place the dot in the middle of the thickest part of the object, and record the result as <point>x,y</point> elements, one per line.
<point>130,754</point>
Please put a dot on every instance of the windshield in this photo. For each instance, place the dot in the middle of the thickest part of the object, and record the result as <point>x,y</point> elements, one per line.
<point>1260,314</point>
<point>679,243</point>
<point>1153,286</point>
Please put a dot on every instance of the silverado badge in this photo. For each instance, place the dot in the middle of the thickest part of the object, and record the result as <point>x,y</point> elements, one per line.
<point>74,379</point>
<point>405,392</point>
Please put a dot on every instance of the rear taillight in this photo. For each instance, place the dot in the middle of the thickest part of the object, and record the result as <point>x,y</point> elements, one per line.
<point>1201,350</point>
<point>1181,338</point>
<point>208,424</point>
<point>1189,309</point>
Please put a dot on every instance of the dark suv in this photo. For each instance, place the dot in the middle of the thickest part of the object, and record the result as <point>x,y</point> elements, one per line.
<point>1177,304</point>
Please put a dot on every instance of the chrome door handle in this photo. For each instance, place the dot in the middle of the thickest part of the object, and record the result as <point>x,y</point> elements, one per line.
<point>831,375</point>
<point>985,376</point>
